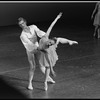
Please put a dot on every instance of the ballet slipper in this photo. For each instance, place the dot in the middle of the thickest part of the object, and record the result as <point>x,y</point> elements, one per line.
<point>50,80</point>
<point>30,87</point>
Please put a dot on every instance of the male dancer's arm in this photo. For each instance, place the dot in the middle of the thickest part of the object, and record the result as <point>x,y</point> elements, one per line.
<point>38,31</point>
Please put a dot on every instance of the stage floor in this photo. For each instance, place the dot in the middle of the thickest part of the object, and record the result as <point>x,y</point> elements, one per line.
<point>78,68</point>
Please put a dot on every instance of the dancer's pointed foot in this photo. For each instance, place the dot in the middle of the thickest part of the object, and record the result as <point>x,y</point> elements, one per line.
<point>50,80</point>
<point>30,87</point>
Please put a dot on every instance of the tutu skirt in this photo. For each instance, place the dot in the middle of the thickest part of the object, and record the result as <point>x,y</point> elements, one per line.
<point>50,57</point>
<point>97,19</point>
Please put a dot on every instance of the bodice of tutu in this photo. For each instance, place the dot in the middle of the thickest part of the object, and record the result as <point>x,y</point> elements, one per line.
<point>44,43</point>
<point>52,55</point>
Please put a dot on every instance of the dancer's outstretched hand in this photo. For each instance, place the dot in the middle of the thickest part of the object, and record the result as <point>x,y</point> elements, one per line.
<point>73,42</point>
<point>60,14</point>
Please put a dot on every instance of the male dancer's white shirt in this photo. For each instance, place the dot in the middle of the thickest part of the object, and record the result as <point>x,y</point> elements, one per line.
<point>29,40</point>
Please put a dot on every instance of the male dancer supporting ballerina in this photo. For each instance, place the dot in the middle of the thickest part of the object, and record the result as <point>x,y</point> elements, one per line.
<point>28,37</point>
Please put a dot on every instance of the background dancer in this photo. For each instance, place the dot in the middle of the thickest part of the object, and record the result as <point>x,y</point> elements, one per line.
<point>96,23</point>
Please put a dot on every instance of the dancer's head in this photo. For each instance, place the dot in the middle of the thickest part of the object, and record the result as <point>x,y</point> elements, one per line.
<point>22,22</point>
<point>53,40</point>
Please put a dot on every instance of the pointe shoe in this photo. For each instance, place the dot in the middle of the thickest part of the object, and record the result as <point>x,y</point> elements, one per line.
<point>46,86</point>
<point>51,80</point>
<point>30,87</point>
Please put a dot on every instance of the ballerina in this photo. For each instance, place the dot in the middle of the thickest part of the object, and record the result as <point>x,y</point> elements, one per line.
<point>96,23</point>
<point>48,56</point>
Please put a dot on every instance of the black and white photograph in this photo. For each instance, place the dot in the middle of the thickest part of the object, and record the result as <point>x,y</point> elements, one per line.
<point>49,49</point>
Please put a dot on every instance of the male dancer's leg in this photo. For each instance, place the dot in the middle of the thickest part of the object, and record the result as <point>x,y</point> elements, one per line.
<point>47,72</point>
<point>31,59</point>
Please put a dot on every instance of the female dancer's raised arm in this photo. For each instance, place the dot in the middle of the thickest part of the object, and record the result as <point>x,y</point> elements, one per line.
<point>52,24</point>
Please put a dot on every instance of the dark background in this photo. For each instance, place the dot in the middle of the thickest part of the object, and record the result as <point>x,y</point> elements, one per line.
<point>76,16</point>
<point>74,13</point>
<point>75,22</point>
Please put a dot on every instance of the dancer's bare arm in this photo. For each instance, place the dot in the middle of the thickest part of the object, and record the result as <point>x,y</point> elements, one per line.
<point>52,24</point>
<point>64,40</point>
